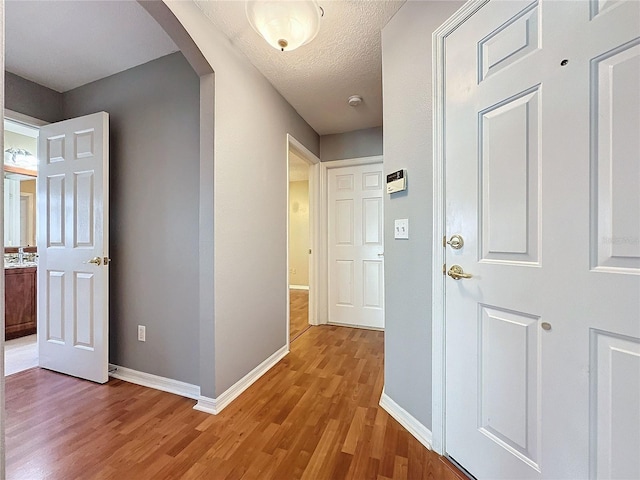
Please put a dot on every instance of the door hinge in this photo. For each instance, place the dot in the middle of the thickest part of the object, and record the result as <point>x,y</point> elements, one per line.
<point>444,242</point>
<point>444,268</point>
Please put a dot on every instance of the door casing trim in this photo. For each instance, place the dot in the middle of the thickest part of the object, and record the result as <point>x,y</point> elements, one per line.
<point>438,370</point>
<point>27,120</point>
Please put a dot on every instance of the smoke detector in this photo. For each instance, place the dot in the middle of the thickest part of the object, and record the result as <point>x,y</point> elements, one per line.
<point>354,100</point>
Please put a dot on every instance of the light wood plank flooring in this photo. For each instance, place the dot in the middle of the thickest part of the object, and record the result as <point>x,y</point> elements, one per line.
<point>299,313</point>
<point>313,416</point>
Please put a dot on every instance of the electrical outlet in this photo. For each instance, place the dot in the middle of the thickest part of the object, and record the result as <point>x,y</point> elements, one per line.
<point>142,333</point>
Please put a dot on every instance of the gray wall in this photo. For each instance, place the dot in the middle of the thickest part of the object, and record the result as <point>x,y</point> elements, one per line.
<point>406,73</point>
<point>24,96</point>
<point>250,204</point>
<point>355,144</point>
<point>154,157</point>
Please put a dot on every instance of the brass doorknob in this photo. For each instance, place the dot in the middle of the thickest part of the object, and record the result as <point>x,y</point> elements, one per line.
<point>96,260</point>
<point>457,273</point>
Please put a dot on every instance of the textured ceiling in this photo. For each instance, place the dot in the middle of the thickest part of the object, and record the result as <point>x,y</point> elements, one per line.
<point>65,44</point>
<point>317,79</point>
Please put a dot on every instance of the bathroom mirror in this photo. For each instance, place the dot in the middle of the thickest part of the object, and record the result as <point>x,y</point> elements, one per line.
<point>20,172</point>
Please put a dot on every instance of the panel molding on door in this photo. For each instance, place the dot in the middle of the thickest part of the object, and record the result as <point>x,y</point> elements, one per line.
<point>615,246</point>
<point>614,360</point>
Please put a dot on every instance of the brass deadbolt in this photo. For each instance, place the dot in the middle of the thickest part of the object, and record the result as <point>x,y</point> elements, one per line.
<point>456,242</point>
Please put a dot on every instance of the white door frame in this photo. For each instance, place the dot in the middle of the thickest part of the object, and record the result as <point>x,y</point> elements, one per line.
<point>323,259</point>
<point>438,371</point>
<point>17,117</point>
<point>314,231</point>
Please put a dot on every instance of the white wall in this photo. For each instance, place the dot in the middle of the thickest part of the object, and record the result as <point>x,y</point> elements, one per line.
<point>406,77</point>
<point>250,204</point>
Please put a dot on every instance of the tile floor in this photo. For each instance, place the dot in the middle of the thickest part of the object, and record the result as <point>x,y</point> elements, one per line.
<point>20,354</point>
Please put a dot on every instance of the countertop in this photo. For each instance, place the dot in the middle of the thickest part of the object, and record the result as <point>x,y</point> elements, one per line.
<point>8,266</point>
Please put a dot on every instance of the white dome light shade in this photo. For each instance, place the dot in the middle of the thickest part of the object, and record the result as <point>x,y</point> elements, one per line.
<point>286,24</point>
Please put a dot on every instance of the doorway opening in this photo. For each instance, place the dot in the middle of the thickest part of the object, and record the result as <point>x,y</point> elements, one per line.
<point>20,251</point>
<point>299,245</point>
<point>302,241</point>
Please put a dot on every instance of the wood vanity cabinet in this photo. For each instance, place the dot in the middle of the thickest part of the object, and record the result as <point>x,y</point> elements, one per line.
<point>20,302</point>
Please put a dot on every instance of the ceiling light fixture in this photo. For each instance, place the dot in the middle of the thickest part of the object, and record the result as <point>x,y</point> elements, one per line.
<point>285,24</point>
<point>354,100</point>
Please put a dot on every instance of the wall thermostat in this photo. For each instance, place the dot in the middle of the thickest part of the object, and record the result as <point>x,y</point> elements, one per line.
<point>397,181</point>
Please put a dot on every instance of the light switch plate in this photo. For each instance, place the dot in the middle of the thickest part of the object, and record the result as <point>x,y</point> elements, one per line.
<point>401,230</point>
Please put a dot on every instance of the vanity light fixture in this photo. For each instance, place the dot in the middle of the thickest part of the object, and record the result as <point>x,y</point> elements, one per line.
<point>285,24</point>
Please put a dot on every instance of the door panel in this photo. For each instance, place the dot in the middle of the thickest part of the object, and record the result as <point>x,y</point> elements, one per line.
<point>509,193</point>
<point>512,41</point>
<point>372,227</point>
<point>55,197</point>
<point>84,206</point>
<point>617,381</point>
<point>344,283</point>
<point>542,177</point>
<point>509,397</point>
<point>73,215</point>
<point>616,96</point>
<point>355,246</point>
<point>83,318</point>
<point>373,281</point>
<point>54,315</point>
<point>344,222</point>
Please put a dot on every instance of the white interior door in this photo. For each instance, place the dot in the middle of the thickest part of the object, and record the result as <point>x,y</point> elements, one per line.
<point>356,263</point>
<point>542,182</point>
<point>73,244</point>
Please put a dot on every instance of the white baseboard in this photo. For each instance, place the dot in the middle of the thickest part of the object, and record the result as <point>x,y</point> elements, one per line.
<point>207,405</point>
<point>299,287</point>
<point>408,421</point>
<point>216,405</point>
<point>154,381</point>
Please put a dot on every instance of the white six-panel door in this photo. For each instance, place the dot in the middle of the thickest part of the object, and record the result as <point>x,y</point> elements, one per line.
<point>73,214</point>
<point>543,184</point>
<point>356,246</point>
